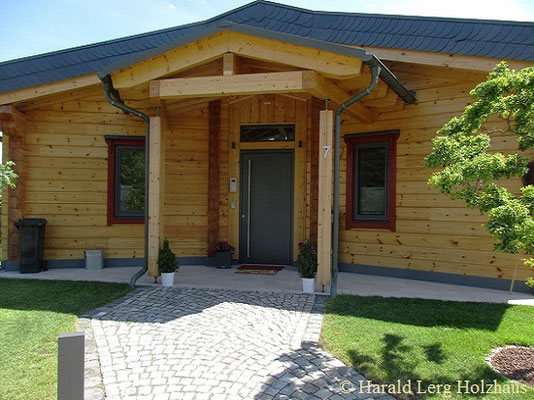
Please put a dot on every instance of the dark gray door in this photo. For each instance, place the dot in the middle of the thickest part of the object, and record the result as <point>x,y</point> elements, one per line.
<point>266,207</point>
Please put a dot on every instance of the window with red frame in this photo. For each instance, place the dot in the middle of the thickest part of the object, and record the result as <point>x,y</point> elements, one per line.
<point>371,180</point>
<point>126,179</point>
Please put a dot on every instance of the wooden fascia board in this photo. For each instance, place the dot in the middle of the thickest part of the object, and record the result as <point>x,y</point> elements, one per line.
<point>327,63</point>
<point>48,89</point>
<point>450,60</point>
<point>217,45</point>
<point>173,61</point>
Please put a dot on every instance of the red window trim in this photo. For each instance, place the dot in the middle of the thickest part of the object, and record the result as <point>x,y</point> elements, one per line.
<point>389,137</point>
<point>113,142</point>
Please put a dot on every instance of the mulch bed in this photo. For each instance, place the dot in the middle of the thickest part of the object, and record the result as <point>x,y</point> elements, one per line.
<point>515,362</point>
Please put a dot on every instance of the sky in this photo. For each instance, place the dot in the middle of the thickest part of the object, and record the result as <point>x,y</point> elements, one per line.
<point>30,27</point>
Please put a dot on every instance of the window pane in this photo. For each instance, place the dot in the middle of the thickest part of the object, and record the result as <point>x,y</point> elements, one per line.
<point>267,133</point>
<point>371,188</point>
<point>131,181</point>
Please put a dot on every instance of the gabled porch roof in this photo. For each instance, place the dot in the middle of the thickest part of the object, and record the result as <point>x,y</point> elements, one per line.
<point>331,60</point>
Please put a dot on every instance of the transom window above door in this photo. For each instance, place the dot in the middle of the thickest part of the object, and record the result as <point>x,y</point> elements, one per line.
<point>268,133</point>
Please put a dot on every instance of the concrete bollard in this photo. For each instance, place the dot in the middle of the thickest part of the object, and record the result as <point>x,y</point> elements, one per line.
<point>70,366</point>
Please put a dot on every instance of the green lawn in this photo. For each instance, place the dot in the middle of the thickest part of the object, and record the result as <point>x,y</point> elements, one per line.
<point>387,339</point>
<point>32,314</point>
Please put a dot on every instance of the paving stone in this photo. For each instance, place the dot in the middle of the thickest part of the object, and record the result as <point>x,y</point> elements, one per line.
<point>187,343</point>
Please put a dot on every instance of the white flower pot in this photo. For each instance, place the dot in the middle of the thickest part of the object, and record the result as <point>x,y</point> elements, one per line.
<point>167,278</point>
<point>308,285</point>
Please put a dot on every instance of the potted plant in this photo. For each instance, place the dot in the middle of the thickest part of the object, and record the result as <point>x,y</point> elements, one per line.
<point>167,264</point>
<point>223,255</point>
<point>307,263</point>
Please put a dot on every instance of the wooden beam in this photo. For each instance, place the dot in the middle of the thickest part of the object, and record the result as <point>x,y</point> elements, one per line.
<point>230,64</point>
<point>325,62</point>
<point>187,104</point>
<point>324,226</point>
<point>156,189</point>
<point>442,59</point>
<point>72,95</point>
<point>173,61</point>
<point>232,85</point>
<point>215,46</point>
<point>325,88</point>
<point>253,84</point>
<point>48,89</point>
<point>214,144</point>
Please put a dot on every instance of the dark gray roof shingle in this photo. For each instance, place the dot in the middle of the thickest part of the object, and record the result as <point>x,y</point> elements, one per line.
<point>497,39</point>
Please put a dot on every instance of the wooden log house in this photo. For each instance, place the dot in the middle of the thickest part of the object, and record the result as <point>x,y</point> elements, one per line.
<point>240,112</point>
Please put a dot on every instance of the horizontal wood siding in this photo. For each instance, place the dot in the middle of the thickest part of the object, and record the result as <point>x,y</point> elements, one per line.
<point>186,182</point>
<point>66,178</point>
<point>432,233</point>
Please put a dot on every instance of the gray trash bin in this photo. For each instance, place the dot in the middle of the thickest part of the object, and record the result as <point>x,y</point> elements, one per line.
<point>94,259</point>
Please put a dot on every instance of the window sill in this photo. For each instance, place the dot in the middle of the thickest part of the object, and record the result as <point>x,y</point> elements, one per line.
<point>389,225</point>
<point>114,221</point>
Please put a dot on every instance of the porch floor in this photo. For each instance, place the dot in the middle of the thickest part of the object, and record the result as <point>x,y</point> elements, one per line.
<point>288,280</point>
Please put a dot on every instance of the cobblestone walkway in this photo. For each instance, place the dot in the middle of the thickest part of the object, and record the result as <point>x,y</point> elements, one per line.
<point>163,343</point>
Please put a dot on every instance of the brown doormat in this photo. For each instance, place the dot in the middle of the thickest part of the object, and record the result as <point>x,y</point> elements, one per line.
<point>258,269</point>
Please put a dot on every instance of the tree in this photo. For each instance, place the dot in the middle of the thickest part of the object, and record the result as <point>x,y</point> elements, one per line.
<point>7,175</point>
<point>471,171</point>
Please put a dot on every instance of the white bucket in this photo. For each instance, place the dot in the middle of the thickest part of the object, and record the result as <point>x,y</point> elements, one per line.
<point>308,285</point>
<point>94,259</point>
<point>167,278</point>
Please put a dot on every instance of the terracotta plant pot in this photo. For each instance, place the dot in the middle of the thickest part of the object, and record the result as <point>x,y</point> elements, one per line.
<point>167,279</point>
<point>308,285</point>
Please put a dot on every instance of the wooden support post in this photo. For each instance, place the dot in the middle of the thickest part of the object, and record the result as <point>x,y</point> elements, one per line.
<point>13,125</point>
<point>214,174</point>
<point>314,170</point>
<point>156,183</point>
<point>324,226</point>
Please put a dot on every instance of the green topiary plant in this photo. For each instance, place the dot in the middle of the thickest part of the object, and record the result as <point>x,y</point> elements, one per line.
<point>166,259</point>
<point>307,260</point>
<point>473,172</point>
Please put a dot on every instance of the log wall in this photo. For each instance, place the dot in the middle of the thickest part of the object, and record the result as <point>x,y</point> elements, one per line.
<point>66,174</point>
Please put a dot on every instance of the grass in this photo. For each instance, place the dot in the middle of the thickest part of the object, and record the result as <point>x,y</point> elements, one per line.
<point>32,314</point>
<point>387,339</point>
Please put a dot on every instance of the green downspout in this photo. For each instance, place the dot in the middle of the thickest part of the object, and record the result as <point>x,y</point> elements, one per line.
<point>113,98</point>
<point>375,73</point>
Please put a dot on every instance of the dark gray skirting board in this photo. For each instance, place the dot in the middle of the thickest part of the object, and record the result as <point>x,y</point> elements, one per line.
<point>438,277</point>
<point>429,276</point>
<point>108,263</point>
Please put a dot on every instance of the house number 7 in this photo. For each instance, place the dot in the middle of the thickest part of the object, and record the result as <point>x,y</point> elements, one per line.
<point>326,150</point>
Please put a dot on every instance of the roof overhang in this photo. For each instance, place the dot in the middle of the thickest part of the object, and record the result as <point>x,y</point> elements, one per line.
<point>121,72</point>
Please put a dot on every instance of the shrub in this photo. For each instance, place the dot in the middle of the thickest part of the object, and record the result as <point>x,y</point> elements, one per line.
<point>307,260</point>
<point>223,247</point>
<point>166,259</point>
